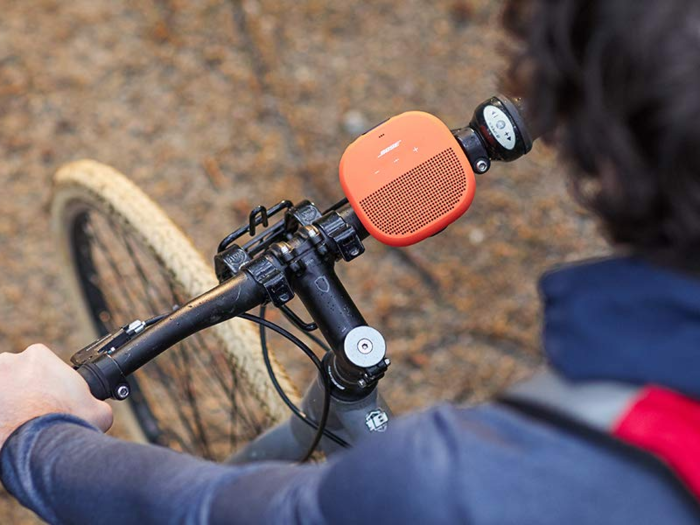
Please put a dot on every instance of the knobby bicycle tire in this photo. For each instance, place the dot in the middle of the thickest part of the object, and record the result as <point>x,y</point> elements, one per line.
<point>91,201</point>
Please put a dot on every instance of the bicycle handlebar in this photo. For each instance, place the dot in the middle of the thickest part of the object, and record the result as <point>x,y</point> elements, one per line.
<point>107,374</point>
<point>303,264</point>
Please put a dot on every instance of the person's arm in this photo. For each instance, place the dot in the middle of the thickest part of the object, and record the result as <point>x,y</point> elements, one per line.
<point>56,461</point>
<point>485,465</point>
<point>67,471</point>
<point>59,464</point>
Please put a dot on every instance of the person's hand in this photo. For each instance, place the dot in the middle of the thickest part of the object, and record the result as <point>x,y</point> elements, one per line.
<point>36,382</point>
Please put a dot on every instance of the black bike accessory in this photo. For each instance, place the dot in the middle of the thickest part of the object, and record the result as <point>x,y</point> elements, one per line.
<point>497,132</point>
<point>228,262</point>
<point>258,216</point>
<point>306,257</point>
<point>269,273</point>
<point>345,237</point>
<point>231,257</point>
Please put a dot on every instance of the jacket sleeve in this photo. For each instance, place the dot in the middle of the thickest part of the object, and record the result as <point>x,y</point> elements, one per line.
<point>442,466</point>
<point>68,472</point>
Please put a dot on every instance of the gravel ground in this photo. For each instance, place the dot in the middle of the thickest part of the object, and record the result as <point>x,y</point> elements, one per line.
<point>214,107</point>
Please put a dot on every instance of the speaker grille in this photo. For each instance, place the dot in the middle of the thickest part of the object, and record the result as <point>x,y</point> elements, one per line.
<point>418,197</point>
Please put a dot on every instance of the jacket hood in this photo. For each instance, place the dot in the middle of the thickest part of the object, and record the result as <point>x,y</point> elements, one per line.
<point>624,319</point>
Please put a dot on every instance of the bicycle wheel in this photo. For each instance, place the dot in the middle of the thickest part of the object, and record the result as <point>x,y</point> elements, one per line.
<point>126,259</point>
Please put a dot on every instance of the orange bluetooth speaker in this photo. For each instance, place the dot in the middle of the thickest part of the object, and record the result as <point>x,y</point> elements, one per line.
<point>407,179</point>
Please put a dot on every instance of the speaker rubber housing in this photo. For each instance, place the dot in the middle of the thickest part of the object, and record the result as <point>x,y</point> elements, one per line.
<point>407,179</point>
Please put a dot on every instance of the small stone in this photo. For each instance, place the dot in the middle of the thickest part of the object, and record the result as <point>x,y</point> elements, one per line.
<point>476,236</point>
<point>354,122</point>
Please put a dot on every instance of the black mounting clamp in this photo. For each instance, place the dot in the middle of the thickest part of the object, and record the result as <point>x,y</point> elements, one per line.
<point>229,262</point>
<point>303,214</point>
<point>267,272</point>
<point>344,236</point>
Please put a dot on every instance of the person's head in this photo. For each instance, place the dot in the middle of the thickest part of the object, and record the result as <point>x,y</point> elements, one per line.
<point>618,83</point>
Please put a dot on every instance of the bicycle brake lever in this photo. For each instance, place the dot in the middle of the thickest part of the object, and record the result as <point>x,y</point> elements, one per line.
<point>107,344</point>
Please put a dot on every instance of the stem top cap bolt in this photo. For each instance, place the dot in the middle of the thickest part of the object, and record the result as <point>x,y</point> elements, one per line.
<point>364,346</point>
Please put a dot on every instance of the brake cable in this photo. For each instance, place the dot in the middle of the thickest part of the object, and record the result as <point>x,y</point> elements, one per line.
<point>320,426</point>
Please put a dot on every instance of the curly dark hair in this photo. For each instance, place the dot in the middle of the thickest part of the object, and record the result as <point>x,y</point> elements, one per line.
<point>616,84</point>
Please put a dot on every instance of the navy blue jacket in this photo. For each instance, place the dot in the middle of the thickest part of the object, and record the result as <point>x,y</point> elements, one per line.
<point>620,319</point>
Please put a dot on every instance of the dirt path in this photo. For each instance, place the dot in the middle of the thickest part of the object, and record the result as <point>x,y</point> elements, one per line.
<point>216,106</point>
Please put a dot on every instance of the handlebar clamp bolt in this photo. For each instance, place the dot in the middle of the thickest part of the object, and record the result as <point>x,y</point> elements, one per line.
<point>122,392</point>
<point>482,166</point>
<point>283,251</point>
<point>312,234</point>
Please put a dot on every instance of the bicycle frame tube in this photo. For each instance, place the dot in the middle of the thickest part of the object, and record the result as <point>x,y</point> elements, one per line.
<point>352,421</point>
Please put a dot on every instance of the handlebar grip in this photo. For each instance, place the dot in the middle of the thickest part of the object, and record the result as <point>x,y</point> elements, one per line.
<point>93,376</point>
